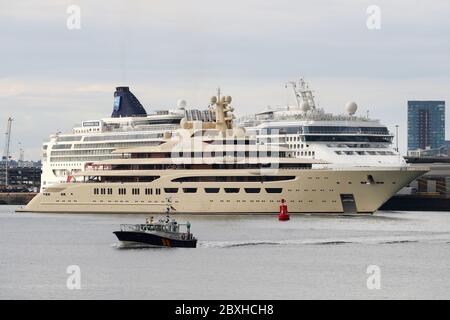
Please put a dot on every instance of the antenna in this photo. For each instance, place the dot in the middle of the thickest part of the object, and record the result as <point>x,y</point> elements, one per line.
<point>6,155</point>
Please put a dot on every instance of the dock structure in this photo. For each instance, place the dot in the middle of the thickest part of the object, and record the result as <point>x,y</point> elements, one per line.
<point>430,192</point>
<point>20,179</point>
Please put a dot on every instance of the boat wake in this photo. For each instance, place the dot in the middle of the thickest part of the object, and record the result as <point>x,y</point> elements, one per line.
<point>233,244</point>
<point>129,245</point>
<point>246,243</point>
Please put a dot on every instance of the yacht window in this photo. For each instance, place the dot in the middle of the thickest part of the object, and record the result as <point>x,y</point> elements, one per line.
<point>212,190</point>
<point>190,190</point>
<point>232,190</point>
<point>274,190</point>
<point>170,190</point>
<point>252,190</point>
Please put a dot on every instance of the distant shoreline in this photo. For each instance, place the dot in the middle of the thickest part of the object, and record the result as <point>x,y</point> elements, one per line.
<point>16,198</point>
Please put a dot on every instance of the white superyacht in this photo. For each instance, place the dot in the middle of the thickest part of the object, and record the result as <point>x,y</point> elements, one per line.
<point>209,167</point>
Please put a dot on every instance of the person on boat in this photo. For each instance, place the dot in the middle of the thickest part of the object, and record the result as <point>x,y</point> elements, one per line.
<point>188,227</point>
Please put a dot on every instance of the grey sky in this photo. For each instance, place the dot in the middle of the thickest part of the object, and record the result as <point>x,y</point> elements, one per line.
<point>52,77</point>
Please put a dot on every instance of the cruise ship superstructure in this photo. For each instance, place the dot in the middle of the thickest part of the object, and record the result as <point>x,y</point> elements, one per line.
<point>310,132</point>
<point>208,167</point>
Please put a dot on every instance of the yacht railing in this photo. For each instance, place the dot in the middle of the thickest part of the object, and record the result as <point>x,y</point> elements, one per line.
<point>171,227</point>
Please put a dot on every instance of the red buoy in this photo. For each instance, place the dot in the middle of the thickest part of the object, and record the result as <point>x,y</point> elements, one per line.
<point>283,215</point>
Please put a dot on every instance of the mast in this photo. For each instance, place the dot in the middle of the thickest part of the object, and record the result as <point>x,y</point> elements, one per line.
<point>6,155</point>
<point>306,93</point>
<point>294,87</point>
<point>224,118</point>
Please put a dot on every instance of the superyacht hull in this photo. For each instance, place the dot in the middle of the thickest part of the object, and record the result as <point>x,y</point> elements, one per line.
<point>345,191</point>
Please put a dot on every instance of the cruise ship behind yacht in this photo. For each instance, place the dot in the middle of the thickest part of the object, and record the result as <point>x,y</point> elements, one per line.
<point>211,166</point>
<point>310,132</point>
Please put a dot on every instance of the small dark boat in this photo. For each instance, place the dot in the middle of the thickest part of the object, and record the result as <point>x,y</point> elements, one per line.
<point>163,233</point>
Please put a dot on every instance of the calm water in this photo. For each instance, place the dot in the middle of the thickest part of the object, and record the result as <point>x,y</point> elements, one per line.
<point>237,257</point>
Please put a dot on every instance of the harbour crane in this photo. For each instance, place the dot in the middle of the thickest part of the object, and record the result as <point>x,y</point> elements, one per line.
<point>6,155</point>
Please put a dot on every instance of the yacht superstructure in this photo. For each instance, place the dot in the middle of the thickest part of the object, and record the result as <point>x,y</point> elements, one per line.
<point>310,132</point>
<point>214,167</point>
<point>65,154</point>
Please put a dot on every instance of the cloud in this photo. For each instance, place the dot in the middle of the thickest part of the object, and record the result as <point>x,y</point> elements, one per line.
<point>52,77</point>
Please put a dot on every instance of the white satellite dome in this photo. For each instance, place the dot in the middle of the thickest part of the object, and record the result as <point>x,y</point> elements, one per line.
<point>304,106</point>
<point>351,108</point>
<point>181,104</point>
